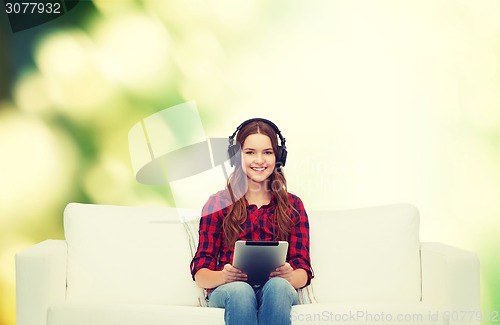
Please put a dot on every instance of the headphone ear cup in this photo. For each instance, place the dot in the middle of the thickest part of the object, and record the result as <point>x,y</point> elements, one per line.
<point>234,154</point>
<point>230,153</point>
<point>281,157</point>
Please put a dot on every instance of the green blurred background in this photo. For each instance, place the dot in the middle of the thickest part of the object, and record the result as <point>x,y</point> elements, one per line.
<point>380,102</point>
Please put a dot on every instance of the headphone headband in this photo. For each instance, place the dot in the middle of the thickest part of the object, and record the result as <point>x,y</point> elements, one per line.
<point>258,119</point>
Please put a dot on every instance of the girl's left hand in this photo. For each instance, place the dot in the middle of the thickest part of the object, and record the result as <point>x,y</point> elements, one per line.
<point>285,271</point>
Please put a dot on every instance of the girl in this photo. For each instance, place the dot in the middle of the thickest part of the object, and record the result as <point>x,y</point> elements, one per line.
<point>254,206</point>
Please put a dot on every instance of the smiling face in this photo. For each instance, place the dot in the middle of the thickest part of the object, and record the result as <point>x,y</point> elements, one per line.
<point>259,159</point>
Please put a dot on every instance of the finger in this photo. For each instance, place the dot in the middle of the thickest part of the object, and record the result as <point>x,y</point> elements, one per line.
<point>282,270</point>
<point>231,269</point>
<point>236,278</point>
<point>284,267</point>
<point>238,275</point>
<point>287,277</point>
<point>275,274</point>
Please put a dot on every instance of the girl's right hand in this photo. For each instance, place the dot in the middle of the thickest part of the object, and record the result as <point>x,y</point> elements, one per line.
<point>231,274</point>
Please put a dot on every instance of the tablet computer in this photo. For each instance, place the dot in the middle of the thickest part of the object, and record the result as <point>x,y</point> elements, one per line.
<point>259,258</point>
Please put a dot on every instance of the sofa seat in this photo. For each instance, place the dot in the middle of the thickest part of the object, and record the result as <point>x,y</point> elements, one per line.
<point>338,313</point>
<point>368,313</point>
<point>131,314</point>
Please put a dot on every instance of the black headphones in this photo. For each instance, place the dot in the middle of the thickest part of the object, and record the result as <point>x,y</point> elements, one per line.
<point>233,149</point>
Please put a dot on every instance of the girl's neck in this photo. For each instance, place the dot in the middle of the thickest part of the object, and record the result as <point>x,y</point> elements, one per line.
<point>258,195</point>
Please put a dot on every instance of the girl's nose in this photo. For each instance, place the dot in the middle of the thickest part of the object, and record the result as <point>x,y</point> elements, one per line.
<point>259,158</point>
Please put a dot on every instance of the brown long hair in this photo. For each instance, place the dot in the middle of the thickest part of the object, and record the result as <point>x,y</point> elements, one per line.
<point>237,187</point>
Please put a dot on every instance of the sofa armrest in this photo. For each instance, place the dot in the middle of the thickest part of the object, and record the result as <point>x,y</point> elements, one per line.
<point>40,280</point>
<point>450,280</point>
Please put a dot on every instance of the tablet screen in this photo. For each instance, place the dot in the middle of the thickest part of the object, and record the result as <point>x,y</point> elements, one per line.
<point>259,258</point>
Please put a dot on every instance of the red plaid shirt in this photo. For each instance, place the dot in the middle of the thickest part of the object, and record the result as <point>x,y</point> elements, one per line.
<point>212,252</point>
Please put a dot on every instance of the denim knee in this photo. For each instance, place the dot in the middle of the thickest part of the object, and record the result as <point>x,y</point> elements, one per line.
<point>277,288</point>
<point>276,300</point>
<point>237,292</point>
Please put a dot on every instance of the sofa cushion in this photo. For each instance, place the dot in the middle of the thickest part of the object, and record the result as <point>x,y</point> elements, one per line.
<point>366,255</point>
<point>128,255</point>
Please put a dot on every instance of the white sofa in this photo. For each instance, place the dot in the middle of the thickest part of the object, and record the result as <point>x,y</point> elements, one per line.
<point>130,265</point>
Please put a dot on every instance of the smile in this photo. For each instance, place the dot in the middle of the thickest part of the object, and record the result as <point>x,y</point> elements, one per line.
<point>258,169</point>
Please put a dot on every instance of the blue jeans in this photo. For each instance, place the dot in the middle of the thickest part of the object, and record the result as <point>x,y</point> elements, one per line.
<point>270,304</point>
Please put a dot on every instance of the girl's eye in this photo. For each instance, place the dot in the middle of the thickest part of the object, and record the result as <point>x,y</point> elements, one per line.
<point>249,152</point>
<point>268,152</point>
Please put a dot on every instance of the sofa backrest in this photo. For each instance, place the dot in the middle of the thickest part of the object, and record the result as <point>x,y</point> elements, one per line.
<point>128,255</point>
<point>366,255</point>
